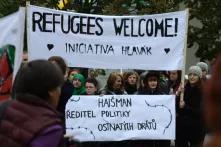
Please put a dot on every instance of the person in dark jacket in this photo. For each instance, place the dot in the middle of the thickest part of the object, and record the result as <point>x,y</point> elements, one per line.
<point>31,119</point>
<point>67,88</point>
<point>152,87</point>
<point>190,130</point>
<point>174,81</point>
<point>151,84</point>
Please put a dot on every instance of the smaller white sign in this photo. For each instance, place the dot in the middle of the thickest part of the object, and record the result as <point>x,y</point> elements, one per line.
<point>120,117</point>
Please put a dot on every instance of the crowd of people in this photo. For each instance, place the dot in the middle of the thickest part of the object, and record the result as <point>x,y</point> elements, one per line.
<point>41,87</point>
<point>190,128</point>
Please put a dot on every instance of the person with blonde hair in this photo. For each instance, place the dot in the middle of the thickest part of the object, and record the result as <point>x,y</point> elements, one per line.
<point>115,85</point>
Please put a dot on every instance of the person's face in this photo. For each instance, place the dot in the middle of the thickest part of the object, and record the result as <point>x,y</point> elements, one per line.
<point>193,78</point>
<point>117,83</point>
<point>54,96</point>
<point>90,88</point>
<point>77,83</point>
<point>152,82</point>
<point>173,75</point>
<point>132,79</point>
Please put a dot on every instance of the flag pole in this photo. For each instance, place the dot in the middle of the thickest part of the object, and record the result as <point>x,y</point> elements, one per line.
<point>184,60</point>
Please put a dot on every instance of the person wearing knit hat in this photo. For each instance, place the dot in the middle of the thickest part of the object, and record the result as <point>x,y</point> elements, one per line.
<point>195,70</point>
<point>204,68</point>
<point>189,127</point>
<point>194,74</point>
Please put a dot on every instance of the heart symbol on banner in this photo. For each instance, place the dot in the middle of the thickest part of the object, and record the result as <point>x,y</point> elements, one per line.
<point>50,46</point>
<point>167,50</point>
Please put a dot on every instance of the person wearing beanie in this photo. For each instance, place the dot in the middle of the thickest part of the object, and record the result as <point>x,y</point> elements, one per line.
<point>204,68</point>
<point>194,74</point>
<point>79,84</point>
<point>189,130</point>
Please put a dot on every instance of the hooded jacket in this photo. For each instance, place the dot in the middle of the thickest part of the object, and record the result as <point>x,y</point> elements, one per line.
<point>79,90</point>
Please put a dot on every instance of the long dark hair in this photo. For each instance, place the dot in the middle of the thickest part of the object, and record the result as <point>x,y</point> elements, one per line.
<point>175,85</point>
<point>146,78</point>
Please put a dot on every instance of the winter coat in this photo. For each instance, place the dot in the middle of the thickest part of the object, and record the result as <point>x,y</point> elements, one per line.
<point>172,85</point>
<point>30,121</point>
<point>131,89</point>
<point>190,119</point>
<point>157,91</point>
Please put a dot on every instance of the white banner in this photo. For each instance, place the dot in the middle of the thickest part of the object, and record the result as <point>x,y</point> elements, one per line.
<point>153,42</point>
<point>120,117</point>
<point>11,46</point>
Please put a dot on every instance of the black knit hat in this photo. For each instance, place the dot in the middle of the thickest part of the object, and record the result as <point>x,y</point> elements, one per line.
<point>152,74</point>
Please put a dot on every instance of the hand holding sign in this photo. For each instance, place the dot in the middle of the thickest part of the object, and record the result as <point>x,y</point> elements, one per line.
<point>108,41</point>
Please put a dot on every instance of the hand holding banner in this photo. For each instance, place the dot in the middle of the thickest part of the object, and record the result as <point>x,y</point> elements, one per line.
<point>96,41</point>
